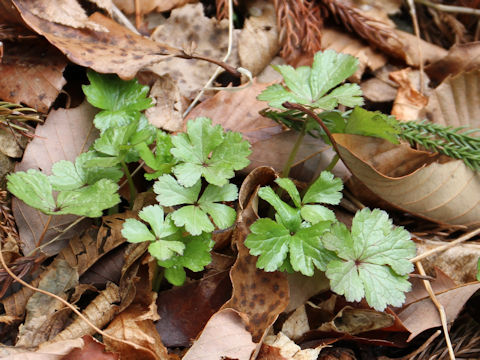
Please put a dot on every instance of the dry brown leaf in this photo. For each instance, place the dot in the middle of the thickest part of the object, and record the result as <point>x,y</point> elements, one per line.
<point>147,6</point>
<point>460,58</point>
<point>54,351</point>
<point>31,73</point>
<point>65,134</point>
<point>44,316</point>
<point>258,41</point>
<point>452,300</point>
<point>14,305</point>
<point>350,44</point>
<point>430,52</point>
<point>409,101</point>
<point>10,144</point>
<point>262,296</point>
<point>377,90</point>
<point>83,251</point>
<point>441,283</point>
<point>168,111</point>
<point>224,336</point>
<point>100,312</point>
<point>118,51</point>
<point>458,262</point>
<point>203,298</point>
<point>135,324</point>
<point>288,349</point>
<point>210,38</point>
<point>304,287</point>
<point>92,349</point>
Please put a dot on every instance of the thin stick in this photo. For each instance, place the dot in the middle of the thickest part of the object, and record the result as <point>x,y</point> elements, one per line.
<point>67,304</point>
<point>225,58</point>
<point>413,14</point>
<point>450,8</point>
<point>441,310</point>
<point>122,19</point>
<point>449,245</point>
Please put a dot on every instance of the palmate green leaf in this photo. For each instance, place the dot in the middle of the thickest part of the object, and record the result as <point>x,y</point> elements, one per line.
<point>194,214</point>
<point>205,150</point>
<point>109,92</point>
<point>317,86</point>
<point>373,260</point>
<point>33,188</point>
<point>372,123</point>
<point>326,189</point>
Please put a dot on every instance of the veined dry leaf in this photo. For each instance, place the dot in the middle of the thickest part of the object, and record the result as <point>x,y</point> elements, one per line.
<point>147,6</point>
<point>54,351</point>
<point>430,52</point>
<point>224,336</point>
<point>44,316</point>
<point>258,41</point>
<point>100,312</point>
<point>65,134</point>
<point>203,298</point>
<point>296,324</point>
<point>14,305</point>
<point>452,300</point>
<point>207,36</point>
<point>442,282</point>
<point>118,51</point>
<point>135,324</point>
<point>409,100</point>
<point>31,73</point>
<point>287,349</point>
<point>260,295</point>
<point>92,349</point>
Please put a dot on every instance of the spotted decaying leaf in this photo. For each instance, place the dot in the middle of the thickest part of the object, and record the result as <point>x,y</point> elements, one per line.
<point>262,296</point>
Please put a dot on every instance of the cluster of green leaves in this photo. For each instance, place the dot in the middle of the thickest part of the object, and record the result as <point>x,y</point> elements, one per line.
<point>371,260</point>
<point>203,159</point>
<point>319,88</point>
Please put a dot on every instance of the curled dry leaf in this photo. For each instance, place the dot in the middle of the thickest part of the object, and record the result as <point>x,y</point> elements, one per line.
<point>204,297</point>
<point>262,296</point>
<point>44,316</point>
<point>280,347</point>
<point>35,80</point>
<point>452,300</point>
<point>409,100</point>
<point>65,134</point>
<point>258,41</point>
<point>224,336</point>
<point>100,312</point>
<point>208,37</point>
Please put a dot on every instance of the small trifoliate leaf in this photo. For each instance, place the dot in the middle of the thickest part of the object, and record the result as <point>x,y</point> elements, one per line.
<point>373,259</point>
<point>109,92</point>
<point>205,150</point>
<point>289,186</point>
<point>348,94</point>
<point>171,193</point>
<point>111,141</point>
<point>297,80</point>
<point>326,189</point>
<point>372,123</point>
<point>276,95</point>
<point>165,249</point>
<point>194,219</point>
<point>153,214</point>
<point>33,188</point>
<point>135,231</point>
<point>90,200</point>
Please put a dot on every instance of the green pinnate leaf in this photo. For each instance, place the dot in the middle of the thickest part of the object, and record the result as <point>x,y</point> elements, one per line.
<point>348,94</point>
<point>373,259</point>
<point>33,188</point>
<point>372,123</point>
<point>289,186</point>
<point>205,150</point>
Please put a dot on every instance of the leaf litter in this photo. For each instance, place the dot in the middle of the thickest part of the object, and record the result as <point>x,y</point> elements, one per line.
<point>240,314</point>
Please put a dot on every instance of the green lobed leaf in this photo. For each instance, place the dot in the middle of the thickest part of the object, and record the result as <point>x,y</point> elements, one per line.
<point>348,94</point>
<point>193,218</point>
<point>33,188</point>
<point>109,119</point>
<point>104,170</point>
<point>109,92</point>
<point>316,213</point>
<point>478,270</point>
<point>153,214</point>
<point>288,216</point>
<point>326,189</point>
<point>65,176</point>
<point>175,275</point>
<point>372,123</point>
<point>135,231</point>
<point>373,259</point>
<point>171,193</point>
<point>164,249</point>
<point>289,186</point>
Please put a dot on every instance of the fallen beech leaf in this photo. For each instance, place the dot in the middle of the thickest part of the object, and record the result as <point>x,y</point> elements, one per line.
<point>304,287</point>
<point>35,80</point>
<point>65,134</point>
<point>92,349</point>
<point>100,312</point>
<point>44,316</point>
<point>377,90</point>
<point>287,349</point>
<point>118,51</point>
<point>54,351</point>
<point>258,41</point>
<point>224,336</point>
<point>262,296</point>
<point>430,52</point>
<point>441,283</point>
<point>147,6</point>
<point>460,58</point>
<point>135,324</point>
<point>452,300</point>
<point>190,25</point>
<point>409,100</point>
<point>203,298</point>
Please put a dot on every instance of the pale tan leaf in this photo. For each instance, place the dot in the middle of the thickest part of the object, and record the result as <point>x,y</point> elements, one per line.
<point>452,300</point>
<point>54,351</point>
<point>409,101</point>
<point>207,36</point>
<point>147,6</point>
<point>224,336</point>
<point>430,52</point>
<point>14,305</point>
<point>258,41</point>
<point>10,144</point>
<point>65,134</point>
<point>376,90</point>
<point>290,350</point>
<point>304,287</point>
<point>297,324</point>
<point>100,312</point>
<point>44,316</point>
